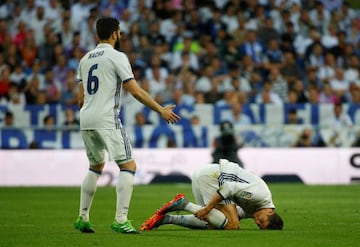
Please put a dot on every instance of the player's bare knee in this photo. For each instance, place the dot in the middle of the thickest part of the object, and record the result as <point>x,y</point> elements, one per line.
<point>127,165</point>
<point>97,168</point>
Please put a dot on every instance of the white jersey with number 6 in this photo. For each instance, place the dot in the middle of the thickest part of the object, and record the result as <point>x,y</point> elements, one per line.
<point>102,72</point>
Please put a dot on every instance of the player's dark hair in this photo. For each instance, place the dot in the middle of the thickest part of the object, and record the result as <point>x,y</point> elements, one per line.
<point>275,222</point>
<point>105,26</point>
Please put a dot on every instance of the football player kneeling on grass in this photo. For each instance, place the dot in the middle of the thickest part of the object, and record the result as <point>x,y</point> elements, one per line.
<point>225,193</point>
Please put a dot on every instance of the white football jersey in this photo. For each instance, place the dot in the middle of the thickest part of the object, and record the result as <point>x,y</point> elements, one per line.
<point>102,72</point>
<point>243,187</point>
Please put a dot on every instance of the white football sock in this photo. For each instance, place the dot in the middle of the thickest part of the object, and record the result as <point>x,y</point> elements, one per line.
<point>124,188</point>
<point>216,217</point>
<point>189,221</point>
<point>88,189</point>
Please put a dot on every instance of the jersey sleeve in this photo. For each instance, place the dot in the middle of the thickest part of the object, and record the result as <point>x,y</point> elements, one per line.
<point>226,189</point>
<point>123,68</point>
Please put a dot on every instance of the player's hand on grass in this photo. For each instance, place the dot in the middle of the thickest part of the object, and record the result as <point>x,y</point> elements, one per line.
<point>168,115</point>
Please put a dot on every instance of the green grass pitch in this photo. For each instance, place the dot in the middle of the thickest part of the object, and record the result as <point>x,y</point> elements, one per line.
<point>42,216</point>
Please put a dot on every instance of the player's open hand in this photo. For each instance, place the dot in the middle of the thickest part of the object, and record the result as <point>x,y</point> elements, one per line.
<point>202,214</point>
<point>168,115</point>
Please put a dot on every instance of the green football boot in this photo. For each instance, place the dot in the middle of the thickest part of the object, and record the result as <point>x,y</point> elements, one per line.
<point>83,226</point>
<point>125,227</point>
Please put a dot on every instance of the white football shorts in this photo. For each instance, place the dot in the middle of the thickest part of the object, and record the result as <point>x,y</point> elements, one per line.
<point>205,183</point>
<point>114,141</point>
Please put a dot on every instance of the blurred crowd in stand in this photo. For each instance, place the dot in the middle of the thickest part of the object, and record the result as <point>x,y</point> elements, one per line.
<point>222,52</point>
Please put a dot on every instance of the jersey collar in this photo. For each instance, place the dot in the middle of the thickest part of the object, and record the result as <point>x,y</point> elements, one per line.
<point>103,45</point>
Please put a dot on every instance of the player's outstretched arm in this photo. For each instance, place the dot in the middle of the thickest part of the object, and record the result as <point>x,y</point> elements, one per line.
<point>166,112</point>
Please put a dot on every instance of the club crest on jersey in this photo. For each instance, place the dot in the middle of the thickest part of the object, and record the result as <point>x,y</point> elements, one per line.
<point>246,195</point>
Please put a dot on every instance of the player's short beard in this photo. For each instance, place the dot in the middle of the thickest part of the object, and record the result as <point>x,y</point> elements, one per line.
<point>117,43</point>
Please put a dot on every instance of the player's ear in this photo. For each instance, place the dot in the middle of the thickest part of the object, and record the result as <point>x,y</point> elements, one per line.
<point>114,35</point>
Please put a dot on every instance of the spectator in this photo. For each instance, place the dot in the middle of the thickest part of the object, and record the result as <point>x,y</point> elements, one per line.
<point>15,96</point>
<point>20,34</point>
<point>193,23</point>
<point>351,73</point>
<point>267,32</point>
<point>156,76</point>
<point>46,50</point>
<point>273,55</point>
<point>253,48</point>
<point>299,88</point>
<point>79,12</point>
<point>316,58</point>
<point>8,120</point>
<point>52,88</point>
<point>230,53</point>
<point>339,85</point>
<point>146,18</point>
<point>49,122</point>
<point>29,51</point>
<point>215,24</point>
<point>112,8</point>
<point>168,26</point>
<point>236,80</point>
<point>229,18</point>
<point>330,39</point>
<point>74,58</point>
<point>289,69</point>
<point>313,95</point>
<point>239,34</point>
<point>280,86</point>
<point>4,82</point>
<point>195,120</point>
<point>326,71</point>
<point>187,46</point>
<point>69,93</point>
<point>53,14</point>
<point>320,17</point>
<point>309,138</point>
<point>327,95</point>
<point>61,69</point>
<point>66,34</point>
<point>354,94</point>
<point>28,11</point>
<point>267,95</point>
<point>292,97</point>
<point>289,36</point>
<point>88,34</point>
<point>37,24</point>
<point>141,120</point>
<point>204,82</point>
<point>238,117</point>
<point>346,14</point>
<point>18,77</point>
<point>70,122</point>
<point>339,119</point>
<point>292,117</point>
